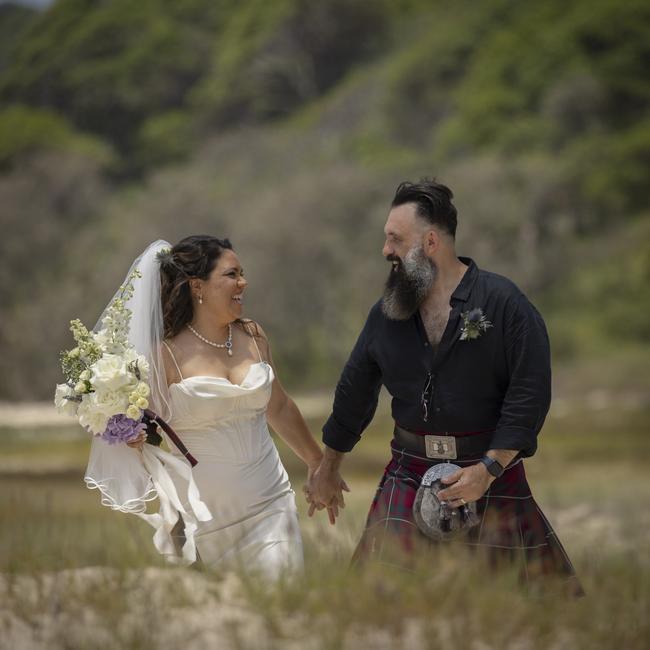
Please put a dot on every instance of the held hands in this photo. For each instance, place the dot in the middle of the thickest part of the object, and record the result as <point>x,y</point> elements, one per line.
<point>324,489</point>
<point>466,485</point>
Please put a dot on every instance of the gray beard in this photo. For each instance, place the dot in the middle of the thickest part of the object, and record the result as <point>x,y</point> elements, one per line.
<point>408,286</point>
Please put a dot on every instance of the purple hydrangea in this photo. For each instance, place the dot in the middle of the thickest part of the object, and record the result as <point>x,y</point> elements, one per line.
<point>121,428</point>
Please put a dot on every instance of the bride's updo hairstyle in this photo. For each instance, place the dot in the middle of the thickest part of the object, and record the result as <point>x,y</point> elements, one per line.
<point>193,257</point>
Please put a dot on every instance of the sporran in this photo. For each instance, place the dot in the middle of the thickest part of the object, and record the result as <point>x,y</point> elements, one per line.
<point>435,519</point>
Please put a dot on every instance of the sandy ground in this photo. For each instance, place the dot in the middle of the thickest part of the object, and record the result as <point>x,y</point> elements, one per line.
<point>162,609</point>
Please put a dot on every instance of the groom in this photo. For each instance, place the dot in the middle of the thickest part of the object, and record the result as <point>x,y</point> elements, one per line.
<point>465,357</point>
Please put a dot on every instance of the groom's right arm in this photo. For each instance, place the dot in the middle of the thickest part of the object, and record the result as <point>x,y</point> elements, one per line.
<point>355,399</point>
<point>355,403</point>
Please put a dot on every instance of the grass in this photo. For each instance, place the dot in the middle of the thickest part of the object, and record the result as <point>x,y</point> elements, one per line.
<point>73,574</point>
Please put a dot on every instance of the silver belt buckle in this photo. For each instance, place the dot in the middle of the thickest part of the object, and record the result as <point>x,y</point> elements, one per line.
<point>440,447</point>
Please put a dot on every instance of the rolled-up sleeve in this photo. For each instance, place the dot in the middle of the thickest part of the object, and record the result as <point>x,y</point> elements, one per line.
<point>355,399</point>
<point>528,396</point>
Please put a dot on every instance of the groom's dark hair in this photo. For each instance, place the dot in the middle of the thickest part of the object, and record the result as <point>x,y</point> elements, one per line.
<point>432,201</point>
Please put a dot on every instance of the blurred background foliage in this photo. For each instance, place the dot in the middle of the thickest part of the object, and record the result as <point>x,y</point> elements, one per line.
<point>286,126</point>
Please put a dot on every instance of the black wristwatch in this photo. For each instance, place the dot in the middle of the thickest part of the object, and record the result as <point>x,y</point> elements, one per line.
<point>493,466</point>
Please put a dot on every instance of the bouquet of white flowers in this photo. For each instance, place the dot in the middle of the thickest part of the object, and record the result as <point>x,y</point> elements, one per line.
<point>111,376</point>
<point>106,379</point>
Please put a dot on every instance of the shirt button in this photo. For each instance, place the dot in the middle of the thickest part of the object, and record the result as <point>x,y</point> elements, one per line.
<point>426,345</point>
<point>437,409</point>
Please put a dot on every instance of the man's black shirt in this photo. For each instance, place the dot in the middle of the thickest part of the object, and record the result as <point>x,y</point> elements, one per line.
<point>500,381</point>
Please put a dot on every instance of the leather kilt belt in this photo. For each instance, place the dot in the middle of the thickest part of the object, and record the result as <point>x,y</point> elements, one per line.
<point>453,446</point>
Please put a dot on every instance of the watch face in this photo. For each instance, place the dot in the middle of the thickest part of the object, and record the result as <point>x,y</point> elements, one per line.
<point>493,466</point>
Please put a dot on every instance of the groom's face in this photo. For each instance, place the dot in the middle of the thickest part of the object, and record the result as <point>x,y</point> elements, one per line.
<point>403,230</point>
<point>412,271</point>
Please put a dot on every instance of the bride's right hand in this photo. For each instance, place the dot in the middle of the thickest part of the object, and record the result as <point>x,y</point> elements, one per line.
<point>325,490</point>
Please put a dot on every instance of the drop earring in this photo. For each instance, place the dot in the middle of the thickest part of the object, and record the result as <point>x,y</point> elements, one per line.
<point>200,299</point>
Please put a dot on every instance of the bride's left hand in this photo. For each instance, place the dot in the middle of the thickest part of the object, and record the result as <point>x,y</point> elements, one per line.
<point>138,442</point>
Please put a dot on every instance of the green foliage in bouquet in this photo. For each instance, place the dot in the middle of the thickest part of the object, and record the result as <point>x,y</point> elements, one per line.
<point>75,362</point>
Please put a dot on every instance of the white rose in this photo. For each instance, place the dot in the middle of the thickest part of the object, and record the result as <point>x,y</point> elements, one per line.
<point>63,405</point>
<point>143,365</point>
<point>90,416</point>
<point>97,408</point>
<point>132,356</point>
<point>143,389</point>
<point>85,375</point>
<point>110,373</point>
<point>112,402</point>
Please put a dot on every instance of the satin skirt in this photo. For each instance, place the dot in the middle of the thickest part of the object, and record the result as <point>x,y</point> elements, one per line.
<point>254,525</point>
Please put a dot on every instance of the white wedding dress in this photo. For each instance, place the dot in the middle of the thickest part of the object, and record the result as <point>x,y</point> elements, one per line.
<point>239,474</point>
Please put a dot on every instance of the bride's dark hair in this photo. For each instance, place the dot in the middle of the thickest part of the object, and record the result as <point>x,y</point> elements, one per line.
<point>193,257</point>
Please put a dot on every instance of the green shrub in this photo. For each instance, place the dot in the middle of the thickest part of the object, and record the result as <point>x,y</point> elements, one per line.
<point>25,130</point>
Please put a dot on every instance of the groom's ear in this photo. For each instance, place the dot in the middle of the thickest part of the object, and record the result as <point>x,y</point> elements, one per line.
<point>431,241</point>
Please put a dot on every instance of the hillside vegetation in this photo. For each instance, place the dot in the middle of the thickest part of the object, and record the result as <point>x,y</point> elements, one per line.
<point>286,126</point>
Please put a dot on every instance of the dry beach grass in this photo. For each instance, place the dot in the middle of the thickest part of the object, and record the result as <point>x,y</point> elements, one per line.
<point>75,575</point>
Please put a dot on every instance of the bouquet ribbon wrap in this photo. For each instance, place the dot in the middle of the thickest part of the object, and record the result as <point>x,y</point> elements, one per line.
<point>153,438</point>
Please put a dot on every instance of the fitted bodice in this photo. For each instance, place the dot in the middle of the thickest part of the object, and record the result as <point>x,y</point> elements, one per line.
<point>239,473</point>
<point>216,417</point>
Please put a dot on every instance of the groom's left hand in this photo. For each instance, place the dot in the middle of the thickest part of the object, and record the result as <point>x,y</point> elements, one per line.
<point>466,485</point>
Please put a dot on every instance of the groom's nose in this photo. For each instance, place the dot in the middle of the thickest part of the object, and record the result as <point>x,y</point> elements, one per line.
<point>387,249</point>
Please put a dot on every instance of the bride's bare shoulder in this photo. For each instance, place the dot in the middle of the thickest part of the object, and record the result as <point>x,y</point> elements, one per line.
<point>255,331</point>
<point>252,328</point>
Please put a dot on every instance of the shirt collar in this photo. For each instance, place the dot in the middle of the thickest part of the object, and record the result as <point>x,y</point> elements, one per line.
<point>464,288</point>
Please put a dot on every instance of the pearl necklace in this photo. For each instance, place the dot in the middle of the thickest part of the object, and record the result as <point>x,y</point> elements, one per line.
<point>227,344</point>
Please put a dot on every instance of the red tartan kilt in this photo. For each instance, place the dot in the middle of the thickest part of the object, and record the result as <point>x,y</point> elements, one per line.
<point>512,526</point>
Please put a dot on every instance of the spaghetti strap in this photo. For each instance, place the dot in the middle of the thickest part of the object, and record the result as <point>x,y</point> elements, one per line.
<point>174,360</point>
<point>259,354</point>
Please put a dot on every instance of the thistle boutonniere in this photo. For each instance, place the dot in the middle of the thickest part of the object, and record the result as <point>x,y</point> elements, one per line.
<point>474,324</point>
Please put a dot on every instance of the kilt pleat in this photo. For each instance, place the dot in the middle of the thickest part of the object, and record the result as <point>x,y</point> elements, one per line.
<point>512,527</point>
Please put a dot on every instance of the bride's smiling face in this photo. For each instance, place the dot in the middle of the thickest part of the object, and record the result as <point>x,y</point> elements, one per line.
<point>222,293</point>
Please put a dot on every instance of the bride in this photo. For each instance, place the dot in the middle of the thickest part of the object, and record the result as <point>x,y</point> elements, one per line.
<point>214,383</point>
